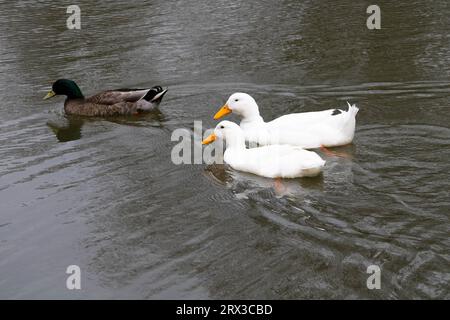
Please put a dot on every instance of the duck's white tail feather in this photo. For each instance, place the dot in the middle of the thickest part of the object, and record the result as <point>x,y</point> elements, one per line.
<point>352,109</point>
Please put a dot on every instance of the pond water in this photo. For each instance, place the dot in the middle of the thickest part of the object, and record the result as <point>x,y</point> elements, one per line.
<point>104,194</point>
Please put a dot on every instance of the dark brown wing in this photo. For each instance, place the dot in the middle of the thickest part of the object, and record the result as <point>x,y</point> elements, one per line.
<point>117,96</point>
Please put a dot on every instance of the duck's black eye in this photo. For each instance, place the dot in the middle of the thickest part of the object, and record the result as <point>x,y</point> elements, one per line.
<point>236,100</point>
<point>222,127</point>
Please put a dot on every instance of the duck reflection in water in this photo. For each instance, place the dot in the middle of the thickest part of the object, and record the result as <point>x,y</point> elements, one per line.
<point>67,128</point>
<point>242,184</point>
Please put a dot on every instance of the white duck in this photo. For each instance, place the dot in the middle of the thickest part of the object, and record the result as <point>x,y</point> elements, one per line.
<point>329,128</point>
<point>274,161</point>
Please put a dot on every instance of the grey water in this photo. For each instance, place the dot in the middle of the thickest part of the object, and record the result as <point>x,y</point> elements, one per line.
<point>103,194</point>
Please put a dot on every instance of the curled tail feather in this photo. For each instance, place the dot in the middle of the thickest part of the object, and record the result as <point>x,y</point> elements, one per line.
<point>352,109</point>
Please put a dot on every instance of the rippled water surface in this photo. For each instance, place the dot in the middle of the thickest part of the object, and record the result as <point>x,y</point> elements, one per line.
<point>103,194</point>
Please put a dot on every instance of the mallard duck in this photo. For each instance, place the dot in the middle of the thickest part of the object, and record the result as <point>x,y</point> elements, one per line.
<point>107,103</point>
<point>329,128</point>
<point>274,161</point>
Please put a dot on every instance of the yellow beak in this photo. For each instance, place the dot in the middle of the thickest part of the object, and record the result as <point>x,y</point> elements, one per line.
<point>209,139</point>
<point>222,112</point>
<point>50,94</point>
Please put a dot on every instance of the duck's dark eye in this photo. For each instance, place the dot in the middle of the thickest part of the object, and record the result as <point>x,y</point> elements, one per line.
<point>222,127</point>
<point>236,100</point>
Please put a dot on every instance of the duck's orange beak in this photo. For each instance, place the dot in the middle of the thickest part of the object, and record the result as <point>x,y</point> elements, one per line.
<point>209,139</point>
<point>222,112</point>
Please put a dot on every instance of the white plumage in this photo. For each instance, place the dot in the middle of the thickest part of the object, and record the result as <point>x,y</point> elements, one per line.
<point>329,128</point>
<point>274,161</point>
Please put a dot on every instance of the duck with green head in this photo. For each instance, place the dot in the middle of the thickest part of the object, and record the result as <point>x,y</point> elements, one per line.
<point>106,103</point>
